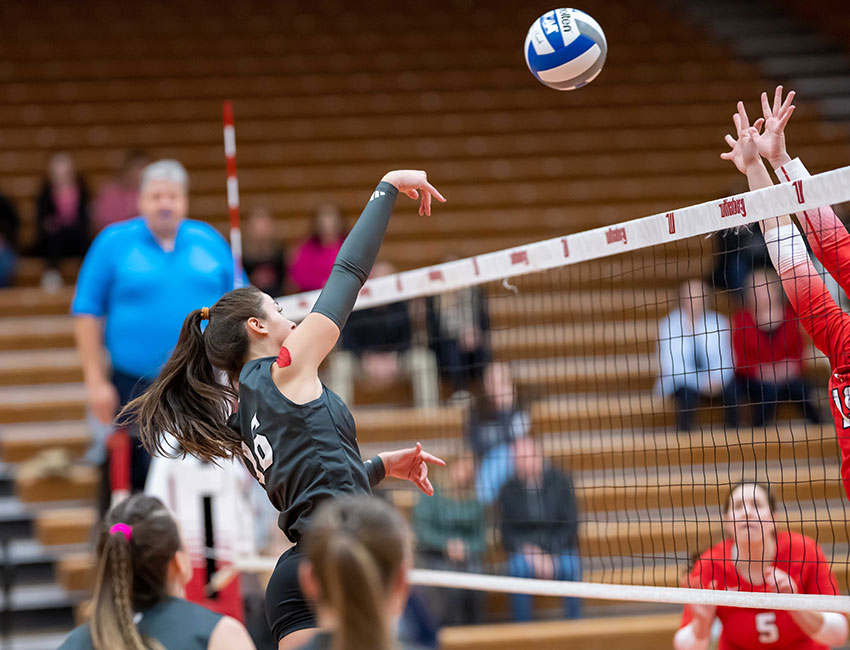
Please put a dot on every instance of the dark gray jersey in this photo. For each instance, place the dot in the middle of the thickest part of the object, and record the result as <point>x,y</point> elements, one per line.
<point>301,453</point>
<point>174,622</point>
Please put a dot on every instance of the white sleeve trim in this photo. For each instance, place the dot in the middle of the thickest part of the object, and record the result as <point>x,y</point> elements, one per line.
<point>685,639</point>
<point>792,171</point>
<point>786,248</point>
<point>833,632</point>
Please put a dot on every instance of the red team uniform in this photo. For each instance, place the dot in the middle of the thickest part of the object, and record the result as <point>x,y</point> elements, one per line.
<point>824,321</point>
<point>751,629</point>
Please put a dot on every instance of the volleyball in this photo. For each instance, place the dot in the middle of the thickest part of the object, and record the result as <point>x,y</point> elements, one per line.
<point>565,49</point>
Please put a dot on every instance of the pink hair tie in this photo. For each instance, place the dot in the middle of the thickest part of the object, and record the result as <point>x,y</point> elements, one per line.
<point>124,529</point>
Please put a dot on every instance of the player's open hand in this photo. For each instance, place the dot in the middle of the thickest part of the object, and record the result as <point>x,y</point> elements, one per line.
<point>744,153</point>
<point>770,140</point>
<point>412,182</point>
<point>411,465</point>
<point>779,581</point>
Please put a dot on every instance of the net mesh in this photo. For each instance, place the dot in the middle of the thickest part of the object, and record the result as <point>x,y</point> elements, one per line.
<point>596,417</point>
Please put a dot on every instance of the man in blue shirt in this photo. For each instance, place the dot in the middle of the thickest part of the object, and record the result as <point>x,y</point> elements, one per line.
<point>139,280</point>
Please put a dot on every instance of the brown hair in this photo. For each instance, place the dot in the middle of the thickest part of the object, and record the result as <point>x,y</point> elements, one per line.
<point>357,545</point>
<point>771,499</point>
<point>187,400</point>
<point>131,573</point>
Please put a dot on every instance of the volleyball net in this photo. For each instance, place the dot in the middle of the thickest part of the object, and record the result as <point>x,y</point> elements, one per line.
<point>597,397</point>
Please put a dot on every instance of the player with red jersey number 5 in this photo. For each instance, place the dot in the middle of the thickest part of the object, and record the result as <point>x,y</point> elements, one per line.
<point>756,558</point>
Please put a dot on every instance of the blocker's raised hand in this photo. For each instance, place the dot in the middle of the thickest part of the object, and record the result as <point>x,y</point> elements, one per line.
<point>744,153</point>
<point>770,140</point>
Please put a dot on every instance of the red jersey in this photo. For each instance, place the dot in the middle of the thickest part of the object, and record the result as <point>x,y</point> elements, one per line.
<point>824,321</point>
<point>753,629</point>
<point>752,346</point>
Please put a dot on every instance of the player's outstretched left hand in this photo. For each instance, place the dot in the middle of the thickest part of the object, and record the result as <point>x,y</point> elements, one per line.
<point>770,142</point>
<point>411,465</point>
<point>744,152</point>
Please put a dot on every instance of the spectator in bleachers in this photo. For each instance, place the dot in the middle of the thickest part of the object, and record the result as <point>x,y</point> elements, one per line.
<point>118,198</point>
<point>10,225</point>
<point>496,421</point>
<point>449,530</point>
<point>695,355</point>
<point>380,344</point>
<point>136,285</point>
<point>262,253</point>
<point>313,260</point>
<point>539,520</point>
<point>143,568</point>
<point>768,351</point>
<point>62,217</point>
<point>458,328</point>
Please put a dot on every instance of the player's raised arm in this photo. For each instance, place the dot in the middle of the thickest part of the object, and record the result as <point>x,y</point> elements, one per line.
<point>316,336</point>
<point>825,233</point>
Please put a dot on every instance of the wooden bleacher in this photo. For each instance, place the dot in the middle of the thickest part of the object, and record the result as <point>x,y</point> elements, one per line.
<point>326,103</point>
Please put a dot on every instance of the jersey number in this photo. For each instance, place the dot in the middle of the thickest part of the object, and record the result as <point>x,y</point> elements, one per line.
<point>845,421</point>
<point>766,627</point>
<point>262,452</point>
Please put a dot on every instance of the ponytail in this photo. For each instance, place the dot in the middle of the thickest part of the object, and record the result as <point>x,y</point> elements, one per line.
<point>356,595</point>
<point>113,626</point>
<point>358,547</point>
<point>187,400</point>
<point>132,571</point>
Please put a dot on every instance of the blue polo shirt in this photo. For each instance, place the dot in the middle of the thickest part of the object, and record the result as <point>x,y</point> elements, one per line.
<point>145,293</point>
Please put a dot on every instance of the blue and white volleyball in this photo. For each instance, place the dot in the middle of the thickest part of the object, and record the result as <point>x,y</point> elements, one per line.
<point>565,49</point>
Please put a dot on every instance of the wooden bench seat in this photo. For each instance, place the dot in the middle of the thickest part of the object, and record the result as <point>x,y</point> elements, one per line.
<point>557,340</point>
<point>40,367</point>
<point>36,332</point>
<point>80,484</point>
<point>19,442</point>
<point>36,403</point>
<point>65,525</point>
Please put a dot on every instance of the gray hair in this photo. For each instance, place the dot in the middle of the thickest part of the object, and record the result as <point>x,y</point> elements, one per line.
<point>165,170</point>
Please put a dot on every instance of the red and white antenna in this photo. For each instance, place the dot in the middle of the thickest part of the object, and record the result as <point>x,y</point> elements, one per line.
<point>233,193</point>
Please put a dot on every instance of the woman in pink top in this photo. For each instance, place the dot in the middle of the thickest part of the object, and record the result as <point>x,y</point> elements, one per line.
<point>314,259</point>
<point>62,217</point>
<point>119,197</point>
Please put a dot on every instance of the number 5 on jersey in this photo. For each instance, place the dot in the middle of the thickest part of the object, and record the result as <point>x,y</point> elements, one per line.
<point>766,627</point>
<point>260,457</point>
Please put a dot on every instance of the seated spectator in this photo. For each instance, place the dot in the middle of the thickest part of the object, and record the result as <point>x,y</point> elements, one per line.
<point>379,344</point>
<point>496,421</point>
<point>695,355</point>
<point>62,217</point>
<point>357,553</point>
<point>449,531</point>
<point>458,328</point>
<point>138,593</point>
<point>262,253</point>
<point>10,225</point>
<point>768,351</point>
<point>119,197</point>
<point>539,526</point>
<point>313,260</point>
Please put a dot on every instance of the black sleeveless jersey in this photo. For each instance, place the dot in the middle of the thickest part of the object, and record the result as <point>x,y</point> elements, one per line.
<point>174,622</point>
<point>301,453</point>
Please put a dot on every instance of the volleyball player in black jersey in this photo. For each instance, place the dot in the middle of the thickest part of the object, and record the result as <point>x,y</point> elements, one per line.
<point>294,434</point>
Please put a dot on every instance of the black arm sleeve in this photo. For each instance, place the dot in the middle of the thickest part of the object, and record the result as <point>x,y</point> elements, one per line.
<point>375,470</point>
<point>356,256</point>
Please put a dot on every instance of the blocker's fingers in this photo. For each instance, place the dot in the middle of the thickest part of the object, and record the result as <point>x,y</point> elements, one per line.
<point>787,116</point>
<point>730,140</point>
<point>413,194</point>
<point>777,98</point>
<point>758,124</point>
<point>788,99</point>
<point>765,106</point>
<point>742,111</point>
<point>426,203</point>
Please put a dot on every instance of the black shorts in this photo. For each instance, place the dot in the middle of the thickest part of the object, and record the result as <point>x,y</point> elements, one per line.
<point>286,608</point>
